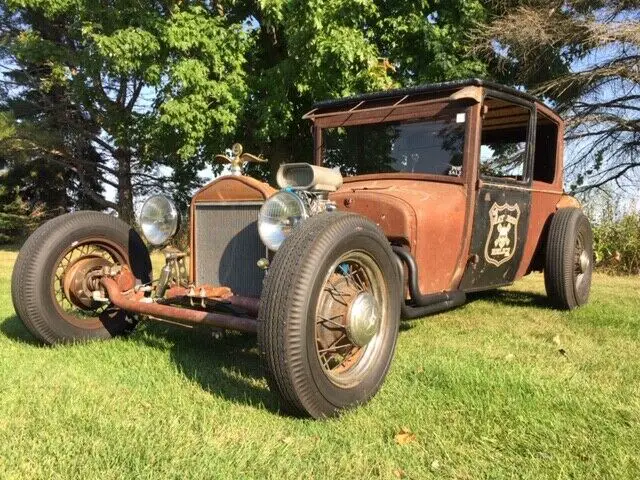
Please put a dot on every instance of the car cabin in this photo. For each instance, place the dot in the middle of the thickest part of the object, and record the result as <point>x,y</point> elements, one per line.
<point>446,170</point>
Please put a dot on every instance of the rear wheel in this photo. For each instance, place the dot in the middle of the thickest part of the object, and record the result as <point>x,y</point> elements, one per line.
<point>330,312</point>
<point>569,259</point>
<point>51,288</point>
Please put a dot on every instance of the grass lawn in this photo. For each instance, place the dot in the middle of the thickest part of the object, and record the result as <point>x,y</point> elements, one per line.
<point>503,387</point>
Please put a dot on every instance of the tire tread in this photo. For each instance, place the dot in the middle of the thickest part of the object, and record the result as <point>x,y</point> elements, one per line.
<point>559,258</point>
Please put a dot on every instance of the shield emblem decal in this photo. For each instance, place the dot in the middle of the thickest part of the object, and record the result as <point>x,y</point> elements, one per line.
<point>503,233</point>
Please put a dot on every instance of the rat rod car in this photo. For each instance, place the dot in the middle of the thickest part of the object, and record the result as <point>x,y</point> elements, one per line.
<point>448,189</point>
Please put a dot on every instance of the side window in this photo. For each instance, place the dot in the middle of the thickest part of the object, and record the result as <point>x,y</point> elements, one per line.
<point>544,164</point>
<point>505,130</point>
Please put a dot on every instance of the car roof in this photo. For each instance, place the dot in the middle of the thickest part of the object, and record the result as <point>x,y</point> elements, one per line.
<point>431,88</point>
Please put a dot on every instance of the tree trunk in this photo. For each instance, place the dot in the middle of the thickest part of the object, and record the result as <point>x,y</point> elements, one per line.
<point>125,186</point>
<point>279,152</point>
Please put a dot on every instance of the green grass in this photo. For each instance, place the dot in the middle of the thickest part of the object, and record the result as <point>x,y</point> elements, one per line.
<point>485,389</point>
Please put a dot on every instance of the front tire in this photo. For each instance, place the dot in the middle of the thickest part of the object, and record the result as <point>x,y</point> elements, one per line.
<point>46,285</point>
<point>329,315</point>
<point>569,259</point>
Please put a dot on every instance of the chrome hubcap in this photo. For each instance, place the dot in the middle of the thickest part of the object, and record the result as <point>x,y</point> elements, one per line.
<point>585,262</point>
<point>363,319</point>
<point>582,265</point>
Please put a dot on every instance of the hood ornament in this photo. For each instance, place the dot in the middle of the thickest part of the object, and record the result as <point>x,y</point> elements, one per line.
<point>238,159</point>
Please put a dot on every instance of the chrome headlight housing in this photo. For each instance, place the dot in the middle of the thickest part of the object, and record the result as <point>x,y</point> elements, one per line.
<point>159,220</point>
<point>278,216</point>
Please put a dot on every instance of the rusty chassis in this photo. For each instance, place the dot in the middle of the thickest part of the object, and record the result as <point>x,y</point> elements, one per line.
<point>118,283</point>
<point>197,304</point>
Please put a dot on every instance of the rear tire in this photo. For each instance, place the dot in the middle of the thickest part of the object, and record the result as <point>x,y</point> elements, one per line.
<point>318,359</point>
<point>569,259</point>
<point>38,274</point>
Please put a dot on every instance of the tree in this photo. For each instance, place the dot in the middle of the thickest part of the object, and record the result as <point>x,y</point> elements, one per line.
<point>33,140</point>
<point>308,51</point>
<point>132,86</point>
<point>135,86</point>
<point>305,51</point>
<point>583,56</point>
<point>17,217</point>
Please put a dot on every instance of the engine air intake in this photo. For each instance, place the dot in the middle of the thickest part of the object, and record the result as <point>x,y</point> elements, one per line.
<point>303,176</point>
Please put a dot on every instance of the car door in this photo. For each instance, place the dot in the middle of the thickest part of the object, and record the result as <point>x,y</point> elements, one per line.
<point>503,191</point>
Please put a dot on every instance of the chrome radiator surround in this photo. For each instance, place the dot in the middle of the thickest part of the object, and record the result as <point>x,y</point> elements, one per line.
<point>227,246</point>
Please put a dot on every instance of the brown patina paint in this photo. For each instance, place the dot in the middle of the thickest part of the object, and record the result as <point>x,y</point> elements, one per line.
<point>431,215</point>
<point>384,114</point>
<point>471,155</point>
<point>425,220</point>
<point>546,198</point>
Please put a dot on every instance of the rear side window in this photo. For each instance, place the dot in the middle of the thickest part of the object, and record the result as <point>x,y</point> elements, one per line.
<point>544,164</point>
<point>505,130</point>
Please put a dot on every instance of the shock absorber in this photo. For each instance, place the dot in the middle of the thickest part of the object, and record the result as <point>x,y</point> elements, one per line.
<point>163,282</point>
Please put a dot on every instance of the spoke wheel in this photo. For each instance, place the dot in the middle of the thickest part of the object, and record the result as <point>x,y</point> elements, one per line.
<point>55,275</point>
<point>329,315</point>
<point>351,311</point>
<point>71,287</point>
<point>569,259</point>
<point>582,263</point>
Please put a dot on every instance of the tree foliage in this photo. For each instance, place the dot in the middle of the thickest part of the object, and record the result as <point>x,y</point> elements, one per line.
<point>132,85</point>
<point>583,55</point>
<point>119,90</point>
<point>31,190</point>
<point>304,51</point>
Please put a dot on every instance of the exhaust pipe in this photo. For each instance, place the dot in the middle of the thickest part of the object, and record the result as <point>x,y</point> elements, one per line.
<point>422,305</point>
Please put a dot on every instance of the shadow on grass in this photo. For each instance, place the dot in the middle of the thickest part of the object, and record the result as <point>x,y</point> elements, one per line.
<point>512,298</point>
<point>228,367</point>
<point>501,297</point>
<point>407,324</point>
<point>13,328</point>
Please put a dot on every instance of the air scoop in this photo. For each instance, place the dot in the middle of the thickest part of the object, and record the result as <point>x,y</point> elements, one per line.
<point>303,176</point>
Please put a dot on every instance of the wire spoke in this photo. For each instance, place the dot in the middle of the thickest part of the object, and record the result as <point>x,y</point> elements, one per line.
<point>353,276</point>
<point>75,254</point>
<point>335,348</point>
<point>338,355</point>
<point>334,289</point>
<point>330,320</point>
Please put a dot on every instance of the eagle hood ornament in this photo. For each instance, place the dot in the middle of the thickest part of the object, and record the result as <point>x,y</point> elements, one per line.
<point>238,159</point>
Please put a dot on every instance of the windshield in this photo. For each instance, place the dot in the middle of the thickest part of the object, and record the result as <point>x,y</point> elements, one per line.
<point>433,145</point>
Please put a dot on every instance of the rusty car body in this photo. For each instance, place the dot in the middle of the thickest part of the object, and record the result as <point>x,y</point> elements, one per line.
<point>445,189</point>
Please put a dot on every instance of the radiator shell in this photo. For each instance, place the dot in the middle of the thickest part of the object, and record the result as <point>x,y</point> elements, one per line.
<point>227,246</point>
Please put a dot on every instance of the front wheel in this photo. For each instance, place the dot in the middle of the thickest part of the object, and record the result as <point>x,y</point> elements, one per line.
<point>329,315</point>
<point>49,284</point>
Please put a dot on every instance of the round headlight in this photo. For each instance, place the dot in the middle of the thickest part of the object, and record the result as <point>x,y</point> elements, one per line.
<point>278,216</point>
<point>159,219</point>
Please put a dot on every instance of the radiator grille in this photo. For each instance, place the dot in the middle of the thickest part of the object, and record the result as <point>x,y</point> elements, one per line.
<point>227,246</point>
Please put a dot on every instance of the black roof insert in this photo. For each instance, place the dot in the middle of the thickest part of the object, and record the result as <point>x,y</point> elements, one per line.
<point>425,89</point>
